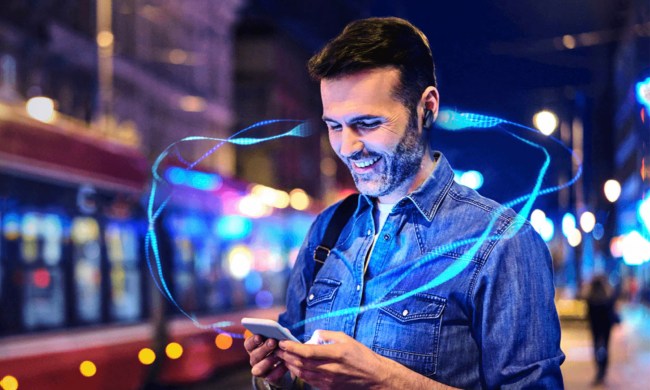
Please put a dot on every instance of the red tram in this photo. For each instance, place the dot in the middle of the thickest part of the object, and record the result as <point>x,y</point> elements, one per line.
<point>79,308</point>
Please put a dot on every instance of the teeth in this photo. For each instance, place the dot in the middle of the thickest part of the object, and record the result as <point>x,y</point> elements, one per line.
<point>366,163</point>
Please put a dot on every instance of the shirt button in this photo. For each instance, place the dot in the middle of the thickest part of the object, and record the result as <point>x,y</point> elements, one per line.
<point>311,296</point>
<point>369,232</point>
<point>386,237</point>
<point>405,313</point>
<point>358,287</point>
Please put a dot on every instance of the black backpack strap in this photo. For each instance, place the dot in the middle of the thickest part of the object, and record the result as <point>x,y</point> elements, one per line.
<point>341,216</point>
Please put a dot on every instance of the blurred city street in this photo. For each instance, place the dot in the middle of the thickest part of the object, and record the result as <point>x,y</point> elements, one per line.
<point>161,163</point>
<point>629,352</point>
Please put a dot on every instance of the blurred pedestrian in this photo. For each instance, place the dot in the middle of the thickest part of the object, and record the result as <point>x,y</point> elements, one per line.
<point>602,315</point>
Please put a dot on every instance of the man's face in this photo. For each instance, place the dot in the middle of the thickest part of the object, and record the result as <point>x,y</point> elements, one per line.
<point>372,132</point>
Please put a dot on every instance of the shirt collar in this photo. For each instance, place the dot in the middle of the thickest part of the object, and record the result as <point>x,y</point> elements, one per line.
<point>428,197</point>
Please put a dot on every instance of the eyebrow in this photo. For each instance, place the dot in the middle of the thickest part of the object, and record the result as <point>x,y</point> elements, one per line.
<point>354,119</point>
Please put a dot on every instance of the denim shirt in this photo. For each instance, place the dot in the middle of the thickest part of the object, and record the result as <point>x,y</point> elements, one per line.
<point>492,324</point>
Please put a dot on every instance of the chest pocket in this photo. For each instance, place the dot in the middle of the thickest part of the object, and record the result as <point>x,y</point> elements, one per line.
<point>408,331</point>
<point>319,304</point>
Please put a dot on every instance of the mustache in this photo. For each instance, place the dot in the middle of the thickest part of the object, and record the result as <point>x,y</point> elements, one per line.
<point>358,155</point>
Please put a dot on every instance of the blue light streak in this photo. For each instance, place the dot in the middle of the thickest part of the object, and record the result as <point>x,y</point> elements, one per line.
<point>454,121</point>
<point>152,253</point>
<point>447,120</point>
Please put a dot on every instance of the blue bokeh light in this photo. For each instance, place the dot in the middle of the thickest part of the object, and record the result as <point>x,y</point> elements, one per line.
<point>198,180</point>
<point>253,282</point>
<point>233,227</point>
<point>643,92</point>
<point>568,224</point>
<point>264,299</point>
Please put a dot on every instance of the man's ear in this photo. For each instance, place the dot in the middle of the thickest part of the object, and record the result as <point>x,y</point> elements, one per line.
<point>431,102</point>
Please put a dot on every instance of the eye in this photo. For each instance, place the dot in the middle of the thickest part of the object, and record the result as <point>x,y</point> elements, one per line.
<point>368,125</point>
<point>333,126</point>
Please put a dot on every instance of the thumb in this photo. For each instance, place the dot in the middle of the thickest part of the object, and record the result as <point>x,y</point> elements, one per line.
<point>327,337</point>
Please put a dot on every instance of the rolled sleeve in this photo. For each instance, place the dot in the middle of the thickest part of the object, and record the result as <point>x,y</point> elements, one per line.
<point>516,323</point>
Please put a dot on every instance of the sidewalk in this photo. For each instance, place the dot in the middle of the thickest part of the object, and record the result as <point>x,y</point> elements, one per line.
<point>629,356</point>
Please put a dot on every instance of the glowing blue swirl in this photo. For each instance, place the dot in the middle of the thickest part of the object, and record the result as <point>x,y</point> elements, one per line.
<point>448,120</point>
<point>151,240</point>
<point>454,121</point>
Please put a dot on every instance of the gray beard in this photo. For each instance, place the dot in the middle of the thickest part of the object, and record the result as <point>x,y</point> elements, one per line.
<point>403,166</point>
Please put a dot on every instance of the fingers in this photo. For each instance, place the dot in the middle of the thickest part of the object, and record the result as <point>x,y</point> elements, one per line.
<point>309,351</point>
<point>263,360</point>
<point>299,362</point>
<point>261,353</point>
<point>277,373</point>
<point>253,342</point>
<point>329,337</point>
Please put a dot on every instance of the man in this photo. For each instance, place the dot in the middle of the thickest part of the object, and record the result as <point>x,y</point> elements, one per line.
<point>491,324</point>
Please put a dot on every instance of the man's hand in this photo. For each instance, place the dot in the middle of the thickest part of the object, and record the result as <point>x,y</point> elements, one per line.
<point>336,362</point>
<point>263,359</point>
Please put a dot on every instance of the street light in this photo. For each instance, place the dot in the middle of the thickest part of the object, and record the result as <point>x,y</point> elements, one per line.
<point>612,190</point>
<point>41,108</point>
<point>574,238</point>
<point>545,121</point>
<point>587,221</point>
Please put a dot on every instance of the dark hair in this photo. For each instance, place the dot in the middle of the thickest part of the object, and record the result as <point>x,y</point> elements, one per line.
<point>376,43</point>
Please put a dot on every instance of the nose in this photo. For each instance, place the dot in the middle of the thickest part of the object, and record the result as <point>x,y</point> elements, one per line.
<point>350,142</point>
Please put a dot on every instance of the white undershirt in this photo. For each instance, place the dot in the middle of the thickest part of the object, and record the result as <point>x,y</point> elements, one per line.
<point>381,214</point>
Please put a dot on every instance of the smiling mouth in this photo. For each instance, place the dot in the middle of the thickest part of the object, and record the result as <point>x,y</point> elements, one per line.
<point>365,163</point>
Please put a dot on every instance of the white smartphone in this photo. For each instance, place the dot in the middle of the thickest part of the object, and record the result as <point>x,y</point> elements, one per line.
<point>268,328</point>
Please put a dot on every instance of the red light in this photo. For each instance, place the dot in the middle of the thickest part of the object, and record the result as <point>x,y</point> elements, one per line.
<point>643,115</point>
<point>41,278</point>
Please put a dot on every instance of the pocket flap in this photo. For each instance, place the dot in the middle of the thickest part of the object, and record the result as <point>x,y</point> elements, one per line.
<point>417,307</point>
<point>322,290</point>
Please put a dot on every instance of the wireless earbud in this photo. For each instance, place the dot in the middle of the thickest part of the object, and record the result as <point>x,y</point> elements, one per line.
<point>427,123</point>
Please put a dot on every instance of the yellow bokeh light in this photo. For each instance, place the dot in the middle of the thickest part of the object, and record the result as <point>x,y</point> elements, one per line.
<point>546,122</point>
<point>146,356</point>
<point>223,341</point>
<point>192,103</point>
<point>240,261</point>
<point>174,350</point>
<point>247,334</point>
<point>299,199</point>
<point>587,221</point>
<point>569,41</point>
<point>270,196</point>
<point>87,368</point>
<point>178,56</point>
<point>574,238</point>
<point>612,190</point>
<point>105,39</point>
<point>9,383</point>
